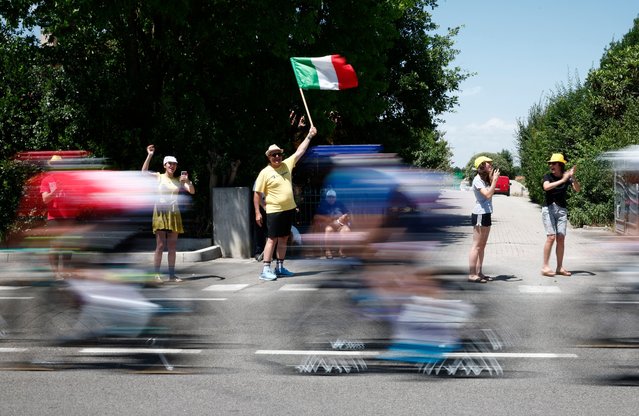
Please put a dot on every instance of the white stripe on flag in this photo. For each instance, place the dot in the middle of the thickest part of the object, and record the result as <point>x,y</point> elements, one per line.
<point>326,73</point>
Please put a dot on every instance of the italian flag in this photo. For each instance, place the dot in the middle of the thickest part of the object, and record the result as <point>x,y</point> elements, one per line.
<point>329,72</point>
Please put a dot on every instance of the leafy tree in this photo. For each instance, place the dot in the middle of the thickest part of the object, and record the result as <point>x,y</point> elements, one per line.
<point>501,161</point>
<point>209,83</point>
<point>616,82</point>
<point>433,151</point>
<point>419,78</point>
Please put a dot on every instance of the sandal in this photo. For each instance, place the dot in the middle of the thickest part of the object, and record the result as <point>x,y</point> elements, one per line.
<point>477,279</point>
<point>548,273</point>
<point>487,278</point>
<point>563,272</point>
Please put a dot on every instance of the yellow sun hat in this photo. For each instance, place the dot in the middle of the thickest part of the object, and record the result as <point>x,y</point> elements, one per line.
<point>481,159</point>
<point>557,157</point>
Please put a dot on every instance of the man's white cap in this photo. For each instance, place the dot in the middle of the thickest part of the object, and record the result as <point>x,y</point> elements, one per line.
<point>331,192</point>
<point>169,159</point>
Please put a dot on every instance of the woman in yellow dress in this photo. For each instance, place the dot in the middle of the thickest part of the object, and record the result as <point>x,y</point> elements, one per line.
<point>167,220</point>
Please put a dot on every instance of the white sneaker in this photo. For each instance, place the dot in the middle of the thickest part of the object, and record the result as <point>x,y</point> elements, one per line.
<point>268,275</point>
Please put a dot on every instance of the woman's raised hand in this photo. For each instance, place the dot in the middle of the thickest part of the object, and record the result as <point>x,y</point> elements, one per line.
<point>495,175</point>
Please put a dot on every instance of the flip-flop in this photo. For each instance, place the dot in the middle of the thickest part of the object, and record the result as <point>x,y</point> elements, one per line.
<point>477,279</point>
<point>487,278</point>
<point>548,274</point>
<point>564,273</point>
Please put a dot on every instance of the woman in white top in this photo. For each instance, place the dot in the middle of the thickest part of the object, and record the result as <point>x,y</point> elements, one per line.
<point>484,189</point>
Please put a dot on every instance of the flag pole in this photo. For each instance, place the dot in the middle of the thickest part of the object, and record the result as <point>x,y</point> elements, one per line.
<point>308,113</point>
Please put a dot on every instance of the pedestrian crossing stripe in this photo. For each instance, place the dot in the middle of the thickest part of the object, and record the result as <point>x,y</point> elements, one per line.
<point>539,289</point>
<point>298,288</point>
<point>226,288</point>
<point>237,287</point>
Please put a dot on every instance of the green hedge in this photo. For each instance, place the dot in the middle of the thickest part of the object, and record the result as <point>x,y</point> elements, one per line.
<point>583,121</point>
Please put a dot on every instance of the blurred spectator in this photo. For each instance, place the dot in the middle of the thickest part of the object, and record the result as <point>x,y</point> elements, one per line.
<point>332,217</point>
<point>59,216</point>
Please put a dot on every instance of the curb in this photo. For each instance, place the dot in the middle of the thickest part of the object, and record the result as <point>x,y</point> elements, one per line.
<point>201,255</point>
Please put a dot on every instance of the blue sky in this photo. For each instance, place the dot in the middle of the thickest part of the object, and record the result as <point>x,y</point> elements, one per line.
<point>521,50</point>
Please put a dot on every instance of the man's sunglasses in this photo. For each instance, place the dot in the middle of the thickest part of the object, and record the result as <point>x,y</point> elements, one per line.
<point>276,154</point>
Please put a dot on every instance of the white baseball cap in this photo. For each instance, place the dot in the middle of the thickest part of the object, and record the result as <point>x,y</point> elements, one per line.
<point>169,159</point>
<point>331,192</point>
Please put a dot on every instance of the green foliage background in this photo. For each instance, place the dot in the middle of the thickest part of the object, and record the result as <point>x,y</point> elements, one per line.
<point>583,120</point>
<point>502,161</point>
<point>209,82</point>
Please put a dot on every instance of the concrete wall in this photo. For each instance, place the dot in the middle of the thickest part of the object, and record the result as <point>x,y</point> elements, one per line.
<point>231,221</point>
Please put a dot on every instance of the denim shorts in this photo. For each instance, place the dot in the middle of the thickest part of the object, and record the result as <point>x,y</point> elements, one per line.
<point>555,219</point>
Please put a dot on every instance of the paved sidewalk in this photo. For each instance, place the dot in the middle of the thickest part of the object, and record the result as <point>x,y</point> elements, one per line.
<point>513,253</point>
<point>517,237</point>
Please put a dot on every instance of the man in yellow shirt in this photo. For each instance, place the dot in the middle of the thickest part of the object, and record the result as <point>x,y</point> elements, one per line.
<point>275,182</point>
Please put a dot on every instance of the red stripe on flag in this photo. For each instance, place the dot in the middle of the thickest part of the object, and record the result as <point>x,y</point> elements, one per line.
<point>346,76</point>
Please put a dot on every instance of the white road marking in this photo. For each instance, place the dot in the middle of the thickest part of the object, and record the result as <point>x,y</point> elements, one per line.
<point>298,287</point>
<point>311,352</point>
<point>138,351</point>
<point>12,349</point>
<point>539,289</point>
<point>226,288</point>
<point>188,299</point>
<point>11,287</point>
<point>16,297</point>
<point>448,355</point>
<point>510,355</point>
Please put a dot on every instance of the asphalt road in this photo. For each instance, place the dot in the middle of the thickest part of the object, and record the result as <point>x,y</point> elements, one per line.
<point>240,350</point>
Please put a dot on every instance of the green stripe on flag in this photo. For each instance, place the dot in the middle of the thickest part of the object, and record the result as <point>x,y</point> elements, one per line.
<point>305,73</point>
